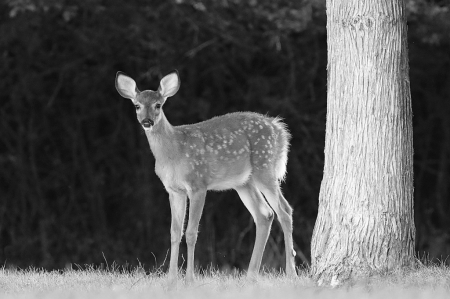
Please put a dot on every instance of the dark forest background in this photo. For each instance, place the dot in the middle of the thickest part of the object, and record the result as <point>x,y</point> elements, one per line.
<point>77,175</point>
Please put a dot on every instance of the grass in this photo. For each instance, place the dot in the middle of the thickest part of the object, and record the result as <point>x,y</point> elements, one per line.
<point>423,282</point>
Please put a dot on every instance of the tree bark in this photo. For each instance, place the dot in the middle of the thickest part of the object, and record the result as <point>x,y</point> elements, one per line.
<point>365,220</point>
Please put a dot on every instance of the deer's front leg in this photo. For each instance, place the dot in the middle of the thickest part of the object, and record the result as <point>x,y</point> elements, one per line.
<point>196,203</point>
<point>178,210</point>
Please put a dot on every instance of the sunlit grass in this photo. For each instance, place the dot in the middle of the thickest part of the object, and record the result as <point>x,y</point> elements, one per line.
<point>421,282</point>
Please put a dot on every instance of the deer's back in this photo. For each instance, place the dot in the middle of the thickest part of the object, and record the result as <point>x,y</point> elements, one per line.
<point>223,152</point>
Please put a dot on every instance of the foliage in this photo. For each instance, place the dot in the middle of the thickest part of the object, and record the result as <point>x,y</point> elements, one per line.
<point>79,175</point>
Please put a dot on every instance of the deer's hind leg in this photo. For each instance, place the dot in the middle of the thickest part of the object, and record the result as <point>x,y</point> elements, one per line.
<point>262,215</point>
<point>271,189</point>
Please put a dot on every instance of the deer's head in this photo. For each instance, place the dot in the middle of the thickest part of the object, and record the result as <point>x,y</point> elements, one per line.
<point>148,103</point>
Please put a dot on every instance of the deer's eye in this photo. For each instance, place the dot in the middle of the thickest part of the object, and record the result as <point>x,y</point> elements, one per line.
<point>158,106</point>
<point>137,107</point>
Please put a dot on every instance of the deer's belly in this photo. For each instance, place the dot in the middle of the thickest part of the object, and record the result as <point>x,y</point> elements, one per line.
<point>229,176</point>
<point>217,176</point>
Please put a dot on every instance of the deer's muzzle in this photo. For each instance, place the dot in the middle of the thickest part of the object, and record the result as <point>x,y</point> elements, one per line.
<point>147,123</point>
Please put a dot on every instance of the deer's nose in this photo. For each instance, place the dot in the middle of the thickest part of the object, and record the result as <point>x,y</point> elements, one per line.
<point>147,123</point>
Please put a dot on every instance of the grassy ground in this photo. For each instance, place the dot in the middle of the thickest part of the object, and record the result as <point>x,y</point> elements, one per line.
<point>424,282</point>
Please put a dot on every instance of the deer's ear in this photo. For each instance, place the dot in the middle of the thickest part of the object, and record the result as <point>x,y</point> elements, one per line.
<point>126,86</point>
<point>169,85</point>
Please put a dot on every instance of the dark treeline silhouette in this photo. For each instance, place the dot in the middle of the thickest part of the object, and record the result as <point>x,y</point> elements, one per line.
<point>78,182</point>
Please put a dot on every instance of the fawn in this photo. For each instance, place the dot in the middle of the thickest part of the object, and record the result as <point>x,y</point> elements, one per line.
<point>244,151</point>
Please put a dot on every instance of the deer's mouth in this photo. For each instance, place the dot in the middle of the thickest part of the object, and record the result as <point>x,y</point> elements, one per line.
<point>147,123</point>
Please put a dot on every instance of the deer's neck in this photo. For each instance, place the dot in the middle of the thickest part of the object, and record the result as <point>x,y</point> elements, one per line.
<point>162,140</point>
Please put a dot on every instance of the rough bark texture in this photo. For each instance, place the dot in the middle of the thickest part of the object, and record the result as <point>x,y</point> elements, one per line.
<point>365,221</point>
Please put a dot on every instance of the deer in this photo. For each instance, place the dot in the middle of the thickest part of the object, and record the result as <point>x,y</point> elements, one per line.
<point>244,151</point>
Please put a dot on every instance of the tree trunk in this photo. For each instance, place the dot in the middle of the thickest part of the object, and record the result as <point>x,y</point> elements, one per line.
<point>365,221</point>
